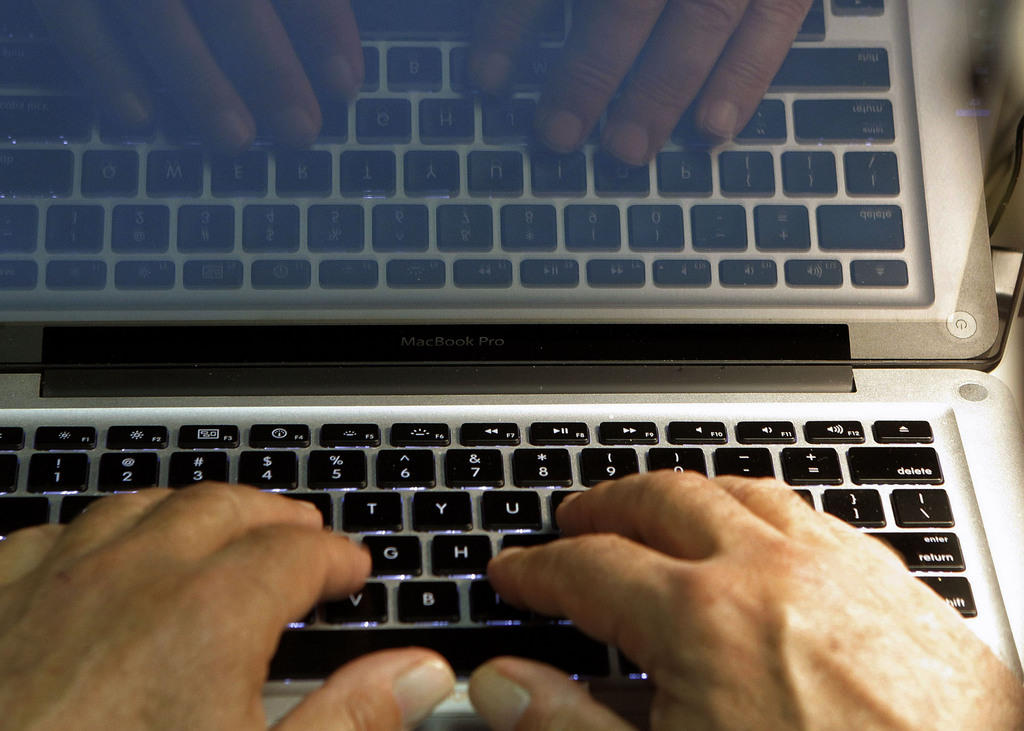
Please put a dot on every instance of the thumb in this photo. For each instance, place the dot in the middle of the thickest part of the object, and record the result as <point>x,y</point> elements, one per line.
<point>391,689</point>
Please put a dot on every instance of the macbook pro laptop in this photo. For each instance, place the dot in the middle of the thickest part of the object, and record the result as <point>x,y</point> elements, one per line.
<point>425,308</point>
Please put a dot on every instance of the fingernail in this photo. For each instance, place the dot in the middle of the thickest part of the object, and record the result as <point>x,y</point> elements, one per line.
<point>627,141</point>
<point>295,126</point>
<point>340,75</point>
<point>491,70</point>
<point>420,689</point>
<point>233,130</point>
<point>720,120</point>
<point>562,131</point>
<point>501,702</point>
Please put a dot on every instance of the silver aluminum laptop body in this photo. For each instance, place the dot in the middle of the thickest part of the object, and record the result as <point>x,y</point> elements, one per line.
<point>589,354</point>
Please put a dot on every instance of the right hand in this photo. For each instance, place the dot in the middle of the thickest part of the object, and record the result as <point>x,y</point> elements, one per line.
<point>229,65</point>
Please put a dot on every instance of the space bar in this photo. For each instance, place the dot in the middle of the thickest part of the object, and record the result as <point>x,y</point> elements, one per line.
<point>415,19</point>
<point>312,654</point>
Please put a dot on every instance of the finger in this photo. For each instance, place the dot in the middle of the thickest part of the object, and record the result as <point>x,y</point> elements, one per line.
<point>745,71</point>
<point>388,689</point>
<point>502,28</point>
<point>165,34</point>
<point>682,514</point>
<point>777,504</point>
<point>201,519</point>
<point>105,520</point>
<point>612,588</point>
<point>81,30</point>
<point>274,574</point>
<point>21,552</point>
<point>251,45</point>
<point>602,47</point>
<point>326,35</point>
<point>511,693</point>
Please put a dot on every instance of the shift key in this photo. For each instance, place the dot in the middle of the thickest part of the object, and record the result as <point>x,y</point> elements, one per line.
<point>36,173</point>
<point>895,465</point>
<point>45,118</point>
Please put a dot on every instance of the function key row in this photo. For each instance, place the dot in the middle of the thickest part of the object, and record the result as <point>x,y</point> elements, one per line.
<point>483,434</point>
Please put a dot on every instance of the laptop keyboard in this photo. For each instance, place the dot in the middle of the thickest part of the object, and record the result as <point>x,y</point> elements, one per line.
<point>434,501</point>
<point>420,193</point>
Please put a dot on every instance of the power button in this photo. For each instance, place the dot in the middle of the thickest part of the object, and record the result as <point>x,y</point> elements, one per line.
<point>962,325</point>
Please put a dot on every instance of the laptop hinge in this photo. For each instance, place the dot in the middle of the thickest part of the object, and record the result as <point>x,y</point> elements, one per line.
<point>439,380</point>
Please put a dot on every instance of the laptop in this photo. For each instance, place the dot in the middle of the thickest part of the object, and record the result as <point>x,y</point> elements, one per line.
<point>439,312</point>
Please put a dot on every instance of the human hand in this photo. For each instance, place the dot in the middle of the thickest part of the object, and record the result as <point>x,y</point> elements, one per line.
<point>162,611</point>
<point>747,610</point>
<point>725,51</point>
<point>228,65</point>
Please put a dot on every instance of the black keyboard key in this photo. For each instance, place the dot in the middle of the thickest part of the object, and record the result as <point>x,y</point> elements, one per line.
<point>527,540</point>
<point>368,174</point>
<point>337,470</point>
<point>19,227</point>
<point>33,64</point>
<point>834,69</point>
<point>206,229</point>
<point>529,228</point>
<point>474,468</point>
<point>110,173</point>
<point>19,275</point>
<point>269,470</point>
<point>44,118</point>
<point>140,229</point>
<point>858,7</point>
<point>809,173</point>
<point>627,432</point>
<point>416,273</point>
<point>367,511</point>
<point>844,120</point>
<point>76,275</point>
<point>903,432</point>
<point>872,173</point>
<point>428,601</point>
<point>782,228</point>
<point>922,509</point>
<point>616,273</point>
<point>175,173</point>
<point>612,177</point>
<point>482,273</point>
<point>926,551</point>
<point>304,172</point>
<point>208,437</point>
<point>545,433</point>
<point>447,121</point>
<point>532,73</point>
<point>58,473</point>
<point>441,511</point>
<point>678,460</point>
<point>189,468</point>
<point>766,432</point>
<point>127,471</point>
<point>748,273</point>
<point>879,273</point>
<point>12,438</point>
<point>307,654</point>
<point>335,120</point>
<point>498,174</point>
<point>755,462</point>
<point>598,465</point>
<point>65,437</point>
<point>684,173</point>
<point>549,273</point>
<point>592,228</point>
<point>768,125</point>
<point>697,432</point>
<point>350,435</point>
<point>213,274</point>
<point>8,472</point>
<point>859,508</point>
<point>414,69</point>
<point>281,274</point>
<point>682,273</point>
<point>834,432</point>
<point>74,229</point>
<point>811,467</point>
<point>861,228</point>
<point>894,465</point>
<point>323,503</point>
<point>510,511</point>
<point>747,173</point>
<point>371,68</point>
<point>719,228</point>
<point>401,228</point>
<point>47,173</point>
<point>22,512</point>
<point>335,228</point>
<point>279,435</point>
<point>458,69</point>
<point>656,228</point>
<point>554,174</point>
<point>460,555</point>
<point>541,468</point>
<point>433,174</point>
<point>144,274</point>
<point>245,174</point>
<point>489,435</point>
<point>508,121</point>
<point>369,605</point>
<point>270,229</point>
<point>405,468</point>
<point>394,555</point>
<point>137,437</point>
<point>420,435</point>
<point>465,228</point>
<point>74,505</point>
<point>486,606</point>
<point>814,273</point>
<point>384,121</point>
<point>956,591</point>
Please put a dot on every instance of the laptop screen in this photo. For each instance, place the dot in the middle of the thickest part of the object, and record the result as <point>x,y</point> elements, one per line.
<point>453,181</point>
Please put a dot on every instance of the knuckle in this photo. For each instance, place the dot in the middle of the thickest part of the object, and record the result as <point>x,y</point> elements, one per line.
<point>780,13</point>
<point>749,73</point>
<point>660,93</point>
<point>715,17</point>
<point>588,80</point>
